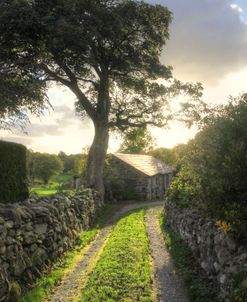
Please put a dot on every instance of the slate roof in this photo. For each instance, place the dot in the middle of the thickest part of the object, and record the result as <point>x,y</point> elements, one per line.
<point>146,164</point>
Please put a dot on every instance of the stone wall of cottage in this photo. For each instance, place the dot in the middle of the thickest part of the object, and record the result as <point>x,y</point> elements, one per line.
<point>141,186</point>
<point>36,232</point>
<point>216,251</point>
<point>135,184</point>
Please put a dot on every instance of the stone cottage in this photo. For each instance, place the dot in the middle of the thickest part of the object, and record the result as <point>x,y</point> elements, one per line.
<point>144,176</point>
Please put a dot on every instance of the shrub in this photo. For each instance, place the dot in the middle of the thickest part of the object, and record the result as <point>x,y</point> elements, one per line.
<point>185,189</point>
<point>213,177</point>
<point>13,176</point>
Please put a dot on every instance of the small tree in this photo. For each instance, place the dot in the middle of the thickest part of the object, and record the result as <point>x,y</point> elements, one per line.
<point>164,154</point>
<point>46,165</point>
<point>173,157</point>
<point>137,140</point>
<point>71,163</point>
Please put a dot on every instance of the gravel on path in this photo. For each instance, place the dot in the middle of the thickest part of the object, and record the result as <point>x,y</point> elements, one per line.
<point>69,289</point>
<point>169,285</point>
<point>72,284</point>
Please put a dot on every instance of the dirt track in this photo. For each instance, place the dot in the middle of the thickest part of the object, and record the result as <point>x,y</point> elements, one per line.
<point>169,286</point>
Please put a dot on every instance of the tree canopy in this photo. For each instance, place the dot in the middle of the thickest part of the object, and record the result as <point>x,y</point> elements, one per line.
<point>73,163</point>
<point>21,90</point>
<point>84,46</point>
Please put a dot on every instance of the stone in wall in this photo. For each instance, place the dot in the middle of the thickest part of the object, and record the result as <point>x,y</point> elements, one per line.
<point>216,252</point>
<point>36,232</point>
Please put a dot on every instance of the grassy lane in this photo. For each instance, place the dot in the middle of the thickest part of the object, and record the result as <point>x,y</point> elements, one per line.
<point>200,288</point>
<point>123,272</point>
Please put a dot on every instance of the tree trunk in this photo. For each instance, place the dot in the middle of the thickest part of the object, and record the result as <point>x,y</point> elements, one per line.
<point>96,158</point>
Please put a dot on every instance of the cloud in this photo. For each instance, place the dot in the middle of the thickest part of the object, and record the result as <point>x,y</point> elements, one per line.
<point>236,7</point>
<point>52,124</point>
<point>37,130</point>
<point>208,40</point>
<point>66,116</point>
<point>59,129</point>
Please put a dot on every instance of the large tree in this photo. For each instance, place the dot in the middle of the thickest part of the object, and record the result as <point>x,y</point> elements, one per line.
<point>105,51</point>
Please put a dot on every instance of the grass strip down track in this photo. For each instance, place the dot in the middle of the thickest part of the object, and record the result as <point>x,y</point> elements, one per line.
<point>123,272</point>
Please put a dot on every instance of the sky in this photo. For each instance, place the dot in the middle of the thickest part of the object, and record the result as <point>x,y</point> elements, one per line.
<point>208,44</point>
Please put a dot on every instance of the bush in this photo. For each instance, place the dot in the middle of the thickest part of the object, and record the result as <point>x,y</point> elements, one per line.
<point>185,189</point>
<point>213,177</point>
<point>13,176</point>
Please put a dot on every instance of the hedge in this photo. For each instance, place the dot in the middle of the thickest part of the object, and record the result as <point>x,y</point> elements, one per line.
<point>13,172</point>
<point>213,176</point>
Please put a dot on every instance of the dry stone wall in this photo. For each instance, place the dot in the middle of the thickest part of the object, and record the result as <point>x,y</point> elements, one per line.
<point>217,252</point>
<point>36,232</point>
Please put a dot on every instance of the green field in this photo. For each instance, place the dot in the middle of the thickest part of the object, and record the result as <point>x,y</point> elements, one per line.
<point>43,191</point>
<point>53,187</point>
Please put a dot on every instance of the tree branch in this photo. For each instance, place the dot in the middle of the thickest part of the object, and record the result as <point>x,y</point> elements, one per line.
<point>88,81</point>
<point>73,86</point>
<point>124,123</point>
<point>54,75</point>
